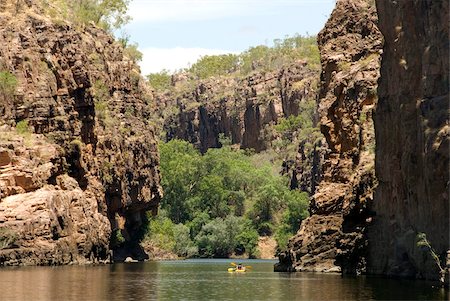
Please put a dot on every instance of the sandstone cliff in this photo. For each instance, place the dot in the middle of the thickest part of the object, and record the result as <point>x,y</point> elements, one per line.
<point>333,238</point>
<point>412,131</point>
<point>79,161</point>
<point>237,108</point>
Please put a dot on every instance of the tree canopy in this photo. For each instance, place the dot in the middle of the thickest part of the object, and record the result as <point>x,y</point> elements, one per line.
<point>224,200</point>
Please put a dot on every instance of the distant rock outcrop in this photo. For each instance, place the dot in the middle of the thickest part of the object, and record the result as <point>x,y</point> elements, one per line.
<point>237,108</point>
<point>78,157</point>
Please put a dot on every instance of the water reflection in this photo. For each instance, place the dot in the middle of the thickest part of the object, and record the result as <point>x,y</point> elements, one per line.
<point>199,280</point>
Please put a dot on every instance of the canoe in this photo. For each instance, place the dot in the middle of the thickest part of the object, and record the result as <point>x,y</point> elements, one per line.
<point>232,270</point>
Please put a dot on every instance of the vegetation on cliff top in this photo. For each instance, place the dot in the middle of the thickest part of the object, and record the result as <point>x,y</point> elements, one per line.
<point>260,58</point>
<point>107,14</point>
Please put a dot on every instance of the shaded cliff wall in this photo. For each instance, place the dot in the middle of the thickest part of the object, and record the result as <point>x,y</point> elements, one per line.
<point>81,161</point>
<point>412,132</point>
<point>333,238</point>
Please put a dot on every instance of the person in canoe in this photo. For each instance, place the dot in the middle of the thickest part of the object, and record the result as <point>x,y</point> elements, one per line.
<point>240,267</point>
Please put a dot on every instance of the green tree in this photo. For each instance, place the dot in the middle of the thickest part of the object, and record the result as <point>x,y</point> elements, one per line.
<point>184,246</point>
<point>180,175</point>
<point>214,65</point>
<point>108,14</point>
<point>296,211</point>
<point>247,240</point>
<point>160,81</point>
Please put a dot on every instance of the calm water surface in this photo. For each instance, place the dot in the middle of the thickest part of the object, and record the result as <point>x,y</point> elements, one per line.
<point>199,280</point>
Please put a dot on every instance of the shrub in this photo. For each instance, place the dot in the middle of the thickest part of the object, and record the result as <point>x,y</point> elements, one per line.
<point>22,127</point>
<point>247,240</point>
<point>160,81</point>
<point>161,232</point>
<point>7,238</point>
<point>214,65</point>
<point>117,238</point>
<point>422,241</point>
<point>184,246</point>
<point>131,51</point>
<point>8,84</point>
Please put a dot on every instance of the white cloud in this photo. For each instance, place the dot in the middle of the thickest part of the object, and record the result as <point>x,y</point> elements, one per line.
<point>194,10</point>
<point>184,10</point>
<point>157,59</point>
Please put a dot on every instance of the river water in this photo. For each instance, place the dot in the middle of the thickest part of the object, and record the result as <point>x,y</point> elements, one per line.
<point>199,280</point>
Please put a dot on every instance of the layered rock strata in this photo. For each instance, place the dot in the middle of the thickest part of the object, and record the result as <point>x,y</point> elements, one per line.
<point>333,238</point>
<point>412,131</point>
<point>237,108</point>
<point>79,159</point>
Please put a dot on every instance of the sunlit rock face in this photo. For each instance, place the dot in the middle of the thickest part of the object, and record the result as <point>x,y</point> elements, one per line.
<point>86,166</point>
<point>411,126</point>
<point>333,238</point>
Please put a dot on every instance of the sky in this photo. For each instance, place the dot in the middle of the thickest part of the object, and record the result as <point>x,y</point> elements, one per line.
<point>172,34</point>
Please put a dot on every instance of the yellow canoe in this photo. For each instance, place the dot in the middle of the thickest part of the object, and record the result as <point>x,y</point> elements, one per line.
<point>232,270</point>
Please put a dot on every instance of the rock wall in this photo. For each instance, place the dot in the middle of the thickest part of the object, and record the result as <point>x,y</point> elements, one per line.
<point>238,108</point>
<point>80,159</point>
<point>333,238</point>
<point>412,131</point>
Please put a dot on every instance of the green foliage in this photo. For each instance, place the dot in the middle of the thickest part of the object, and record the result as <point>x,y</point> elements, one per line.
<point>7,238</point>
<point>288,126</point>
<point>108,14</point>
<point>8,84</point>
<point>247,240</point>
<point>117,238</point>
<point>214,65</point>
<point>179,165</point>
<point>161,232</point>
<point>101,96</point>
<point>296,211</point>
<point>422,241</point>
<point>284,51</point>
<point>224,199</point>
<point>223,236</point>
<point>264,58</point>
<point>22,127</point>
<point>160,81</point>
<point>184,246</point>
<point>131,51</point>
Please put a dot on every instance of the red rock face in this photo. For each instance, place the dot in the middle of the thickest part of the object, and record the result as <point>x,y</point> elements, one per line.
<point>333,238</point>
<point>87,101</point>
<point>411,125</point>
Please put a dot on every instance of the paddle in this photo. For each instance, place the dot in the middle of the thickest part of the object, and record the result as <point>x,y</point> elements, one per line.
<point>233,264</point>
